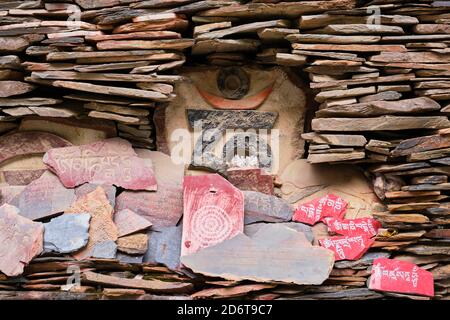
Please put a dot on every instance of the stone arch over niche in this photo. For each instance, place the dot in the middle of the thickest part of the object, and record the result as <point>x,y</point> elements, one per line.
<point>274,99</point>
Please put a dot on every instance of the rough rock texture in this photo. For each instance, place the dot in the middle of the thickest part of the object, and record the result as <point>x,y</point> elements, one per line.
<point>20,240</point>
<point>111,161</point>
<point>102,227</point>
<point>128,222</point>
<point>67,233</point>
<point>44,197</point>
<point>262,207</point>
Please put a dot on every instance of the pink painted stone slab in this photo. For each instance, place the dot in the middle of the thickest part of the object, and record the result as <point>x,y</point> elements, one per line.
<point>347,248</point>
<point>110,161</point>
<point>316,210</point>
<point>8,192</point>
<point>213,212</point>
<point>20,240</point>
<point>128,222</point>
<point>400,276</point>
<point>164,207</point>
<point>353,227</point>
<point>44,197</point>
<point>29,142</point>
<point>251,179</point>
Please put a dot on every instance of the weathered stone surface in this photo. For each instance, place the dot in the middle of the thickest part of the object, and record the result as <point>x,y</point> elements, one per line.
<point>283,9</point>
<point>361,29</point>
<point>225,45</point>
<point>416,57</point>
<point>86,188</point>
<point>336,139</point>
<point>377,108</point>
<point>13,88</point>
<point>155,286</point>
<point>243,28</point>
<point>213,211</point>
<point>102,227</point>
<point>109,90</point>
<point>251,229</point>
<point>242,258</point>
<point>67,233</point>
<point>135,244</point>
<point>69,129</point>
<point>387,123</point>
<point>245,119</point>
<point>104,250</point>
<point>128,222</point>
<point>164,246</point>
<point>164,207</point>
<point>110,161</point>
<point>23,143</point>
<point>347,47</point>
<point>420,144</point>
<point>338,94</point>
<point>8,192</point>
<point>263,207</point>
<point>20,240</point>
<point>337,156</point>
<point>44,197</point>
<point>365,261</point>
<point>251,179</point>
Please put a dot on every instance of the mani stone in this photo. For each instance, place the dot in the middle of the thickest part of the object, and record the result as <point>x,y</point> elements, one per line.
<point>89,187</point>
<point>111,161</point>
<point>242,119</point>
<point>251,229</point>
<point>135,244</point>
<point>102,227</point>
<point>251,179</point>
<point>164,247</point>
<point>44,197</point>
<point>164,207</point>
<point>20,240</point>
<point>67,233</point>
<point>263,207</point>
<point>213,211</point>
<point>272,254</point>
<point>104,250</point>
<point>30,142</point>
<point>128,222</point>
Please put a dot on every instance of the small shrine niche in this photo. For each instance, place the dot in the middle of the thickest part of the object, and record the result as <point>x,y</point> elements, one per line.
<point>237,117</point>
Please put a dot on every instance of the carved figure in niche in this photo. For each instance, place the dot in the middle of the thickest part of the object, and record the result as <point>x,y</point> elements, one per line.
<point>236,117</point>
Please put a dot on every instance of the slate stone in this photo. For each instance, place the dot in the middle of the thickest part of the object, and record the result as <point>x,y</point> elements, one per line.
<point>213,211</point>
<point>102,228</point>
<point>362,263</point>
<point>44,197</point>
<point>251,229</point>
<point>22,143</point>
<point>67,233</point>
<point>164,246</point>
<point>164,207</point>
<point>135,244</point>
<point>241,258</point>
<point>127,258</point>
<point>263,207</point>
<point>111,161</point>
<point>242,119</point>
<point>86,188</point>
<point>104,250</point>
<point>251,179</point>
<point>128,222</point>
<point>20,240</point>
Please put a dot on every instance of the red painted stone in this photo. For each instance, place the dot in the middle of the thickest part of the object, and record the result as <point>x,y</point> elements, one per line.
<point>247,103</point>
<point>353,227</point>
<point>347,248</point>
<point>20,240</point>
<point>320,208</point>
<point>400,276</point>
<point>213,212</point>
<point>110,161</point>
<point>251,179</point>
<point>29,142</point>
